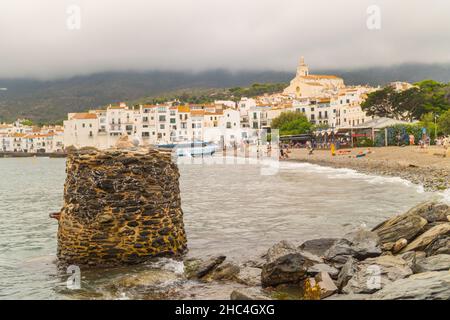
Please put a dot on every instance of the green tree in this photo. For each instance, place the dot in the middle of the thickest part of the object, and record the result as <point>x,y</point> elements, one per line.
<point>290,123</point>
<point>381,103</point>
<point>444,123</point>
<point>409,104</point>
<point>436,96</point>
<point>26,122</point>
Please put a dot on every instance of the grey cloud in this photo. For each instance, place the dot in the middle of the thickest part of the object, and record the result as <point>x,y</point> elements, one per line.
<point>204,34</point>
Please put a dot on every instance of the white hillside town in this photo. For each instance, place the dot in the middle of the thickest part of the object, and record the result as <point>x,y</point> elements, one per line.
<point>324,99</point>
<point>20,137</point>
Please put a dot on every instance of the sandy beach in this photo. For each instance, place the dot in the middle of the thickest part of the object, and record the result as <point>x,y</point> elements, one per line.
<point>428,167</point>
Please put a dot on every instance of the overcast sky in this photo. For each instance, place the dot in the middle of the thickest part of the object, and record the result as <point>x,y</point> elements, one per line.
<point>204,34</point>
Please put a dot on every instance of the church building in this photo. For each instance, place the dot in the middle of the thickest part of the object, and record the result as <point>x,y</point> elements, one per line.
<point>306,85</point>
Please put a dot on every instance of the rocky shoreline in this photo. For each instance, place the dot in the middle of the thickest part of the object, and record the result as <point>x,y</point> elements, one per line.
<point>432,179</point>
<point>405,257</point>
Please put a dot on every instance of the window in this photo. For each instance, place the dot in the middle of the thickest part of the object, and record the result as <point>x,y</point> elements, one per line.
<point>228,125</point>
<point>312,109</point>
<point>162,118</point>
<point>172,120</point>
<point>162,127</point>
<point>83,125</point>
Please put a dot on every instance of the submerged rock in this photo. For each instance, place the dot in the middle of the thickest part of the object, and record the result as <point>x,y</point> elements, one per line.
<point>197,268</point>
<point>225,271</point>
<point>317,246</point>
<point>422,286</point>
<point>249,276</point>
<point>374,273</point>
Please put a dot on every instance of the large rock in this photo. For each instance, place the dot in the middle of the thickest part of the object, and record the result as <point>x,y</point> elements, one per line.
<point>317,246</point>
<point>360,245</point>
<point>279,249</point>
<point>374,273</point>
<point>439,245</point>
<point>431,211</point>
<point>347,272</point>
<point>287,268</point>
<point>400,227</point>
<point>438,262</point>
<point>422,286</point>
<point>426,238</point>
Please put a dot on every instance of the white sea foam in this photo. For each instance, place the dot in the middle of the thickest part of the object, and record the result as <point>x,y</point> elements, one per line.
<point>445,195</point>
<point>344,173</point>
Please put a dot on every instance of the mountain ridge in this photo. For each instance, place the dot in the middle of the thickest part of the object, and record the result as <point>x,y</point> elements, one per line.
<point>45,101</point>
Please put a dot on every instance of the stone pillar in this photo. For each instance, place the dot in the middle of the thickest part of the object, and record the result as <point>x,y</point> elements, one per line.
<point>120,207</point>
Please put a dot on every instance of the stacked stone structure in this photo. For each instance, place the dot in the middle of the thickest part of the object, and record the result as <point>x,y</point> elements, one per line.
<point>120,207</point>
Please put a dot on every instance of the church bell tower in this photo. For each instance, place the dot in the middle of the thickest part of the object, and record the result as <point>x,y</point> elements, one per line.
<point>302,69</point>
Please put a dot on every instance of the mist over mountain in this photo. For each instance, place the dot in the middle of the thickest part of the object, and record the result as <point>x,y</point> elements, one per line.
<point>50,101</point>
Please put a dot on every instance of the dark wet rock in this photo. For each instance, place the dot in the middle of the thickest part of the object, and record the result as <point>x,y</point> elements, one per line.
<point>400,227</point>
<point>197,268</point>
<point>360,245</point>
<point>438,262</point>
<point>249,294</point>
<point>347,272</point>
<point>422,241</point>
<point>317,246</point>
<point>287,268</point>
<point>439,245</point>
<point>375,273</point>
<point>422,286</point>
